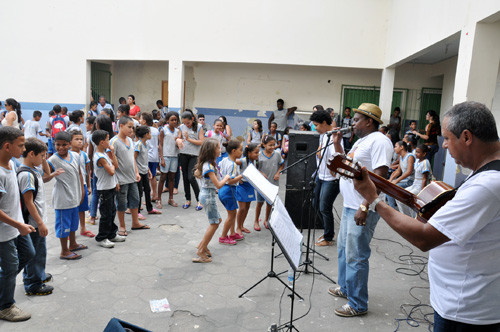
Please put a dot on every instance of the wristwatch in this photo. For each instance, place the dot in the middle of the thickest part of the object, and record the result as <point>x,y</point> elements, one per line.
<point>363,208</point>
<point>374,203</point>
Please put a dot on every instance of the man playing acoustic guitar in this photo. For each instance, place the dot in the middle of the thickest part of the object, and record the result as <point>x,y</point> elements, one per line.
<point>464,235</point>
<point>373,150</point>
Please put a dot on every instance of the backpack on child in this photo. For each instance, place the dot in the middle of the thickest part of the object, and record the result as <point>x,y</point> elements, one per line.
<point>58,124</point>
<point>24,209</point>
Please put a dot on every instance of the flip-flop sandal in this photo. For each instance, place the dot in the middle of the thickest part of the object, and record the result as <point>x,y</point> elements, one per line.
<point>198,208</point>
<point>80,247</point>
<point>266,225</point>
<point>201,260</point>
<point>154,211</point>
<point>172,203</point>
<point>186,206</point>
<point>71,257</point>
<point>141,227</point>
<point>245,230</point>
<point>87,233</point>
<point>257,228</point>
<point>209,254</point>
<point>122,233</point>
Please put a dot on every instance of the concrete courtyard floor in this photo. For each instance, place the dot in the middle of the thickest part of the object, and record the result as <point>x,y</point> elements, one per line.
<point>156,264</point>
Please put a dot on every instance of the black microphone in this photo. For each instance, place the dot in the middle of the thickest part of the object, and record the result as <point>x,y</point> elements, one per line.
<point>343,131</point>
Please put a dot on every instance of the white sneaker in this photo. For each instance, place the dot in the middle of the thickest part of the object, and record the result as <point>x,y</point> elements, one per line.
<point>118,238</point>
<point>14,314</point>
<point>106,243</point>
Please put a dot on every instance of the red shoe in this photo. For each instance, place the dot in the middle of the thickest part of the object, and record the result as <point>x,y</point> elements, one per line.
<point>236,237</point>
<point>227,240</point>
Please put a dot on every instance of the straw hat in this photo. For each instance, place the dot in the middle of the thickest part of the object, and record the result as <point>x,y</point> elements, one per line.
<point>370,110</point>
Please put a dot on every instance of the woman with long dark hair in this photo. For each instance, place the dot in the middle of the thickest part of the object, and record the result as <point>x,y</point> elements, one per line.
<point>134,109</point>
<point>13,116</point>
<point>432,131</point>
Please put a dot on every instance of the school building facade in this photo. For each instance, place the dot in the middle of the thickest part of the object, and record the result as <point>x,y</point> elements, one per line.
<point>237,58</point>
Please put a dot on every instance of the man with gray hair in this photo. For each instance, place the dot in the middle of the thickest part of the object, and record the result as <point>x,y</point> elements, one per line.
<point>103,104</point>
<point>462,236</point>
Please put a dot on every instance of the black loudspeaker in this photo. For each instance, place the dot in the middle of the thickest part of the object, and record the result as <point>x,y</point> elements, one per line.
<point>300,145</point>
<point>299,177</point>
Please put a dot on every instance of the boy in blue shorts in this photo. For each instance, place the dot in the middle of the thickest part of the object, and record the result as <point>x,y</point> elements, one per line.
<point>16,249</point>
<point>67,195</point>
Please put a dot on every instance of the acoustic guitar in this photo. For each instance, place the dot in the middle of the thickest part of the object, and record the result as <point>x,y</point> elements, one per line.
<point>425,204</point>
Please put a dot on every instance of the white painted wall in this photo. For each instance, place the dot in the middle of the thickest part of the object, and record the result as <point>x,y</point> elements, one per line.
<point>414,26</point>
<point>47,47</point>
<point>139,78</point>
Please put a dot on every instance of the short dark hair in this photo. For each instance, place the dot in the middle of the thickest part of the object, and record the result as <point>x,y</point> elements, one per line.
<point>397,109</point>
<point>319,107</point>
<point>101,96</point>
<point>267,139</point>
<point>37,113</point>
<point>99,135</point>
<point>64,110</point>
<point>125,109</point>
<point>73,131</point>
<point>474,117</point>
<point>159,102</point>
<point>148,118</point>
<point>142,131</point>
<point>403,144</point>
<point>52,113</point>
<point>201,115</point>
<point>124,120</point>
<point>93,103</point>
<point>321,116</point>
<point>280,101</point>
<point>423,147</point>
<point>91,119</point>
<point>413,121</point>
<point>9,135</point>
<point>75,115</point>
<point>171,114</point>
<point>110,113</point>
<point>63,136</point>
<point>121,99</point>
<point>347,108</point>
<point>232,145</point>
<point>57,108</point>
<point>35,145</point>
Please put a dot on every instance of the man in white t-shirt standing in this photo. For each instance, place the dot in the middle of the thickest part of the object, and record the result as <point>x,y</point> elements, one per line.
<point>374,151</point>
<point>327,185</point>
<point>462,236</point>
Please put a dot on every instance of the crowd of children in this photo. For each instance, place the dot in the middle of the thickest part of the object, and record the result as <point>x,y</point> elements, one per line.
<point>115,162</point>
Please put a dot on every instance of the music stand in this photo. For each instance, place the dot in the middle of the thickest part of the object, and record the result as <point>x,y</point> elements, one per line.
<point>270,193</point>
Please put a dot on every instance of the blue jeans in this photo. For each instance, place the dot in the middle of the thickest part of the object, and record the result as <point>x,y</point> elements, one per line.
<point>353,247</point>
<point>14,255</point>
<point>95,197</point>
<point>34,272</point>
<point>325,193</point>
<point>390,200</point>
<point>445,325</point>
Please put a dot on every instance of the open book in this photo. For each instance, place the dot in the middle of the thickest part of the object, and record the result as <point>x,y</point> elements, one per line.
<point>265,188</point>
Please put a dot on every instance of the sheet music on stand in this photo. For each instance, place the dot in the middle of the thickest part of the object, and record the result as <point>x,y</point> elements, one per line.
<point>282,227</point>
<point>265,188</point>
<point>287,235</point>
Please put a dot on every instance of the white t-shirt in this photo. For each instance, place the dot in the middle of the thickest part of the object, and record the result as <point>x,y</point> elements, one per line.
<point>153,145</point>
<point>31,129</point>
<point>324,173</point>
<point>10,201</point>
<point>464,273</point>
<point>372,151</point>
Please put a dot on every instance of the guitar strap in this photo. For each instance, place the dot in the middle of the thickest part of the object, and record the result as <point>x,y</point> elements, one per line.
<point>493,165</point>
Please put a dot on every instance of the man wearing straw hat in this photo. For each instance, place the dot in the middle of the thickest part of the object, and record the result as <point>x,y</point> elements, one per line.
<point>374,151</point>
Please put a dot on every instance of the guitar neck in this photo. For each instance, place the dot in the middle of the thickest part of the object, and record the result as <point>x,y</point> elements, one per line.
<point>394,190</point>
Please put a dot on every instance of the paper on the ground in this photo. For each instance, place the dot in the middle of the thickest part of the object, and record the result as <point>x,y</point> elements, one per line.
<point>286,232</point>
<point>267,190</point>
<point>159,305</point>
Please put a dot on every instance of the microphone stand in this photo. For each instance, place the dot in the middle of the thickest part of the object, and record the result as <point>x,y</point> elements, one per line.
<point>307,261</point>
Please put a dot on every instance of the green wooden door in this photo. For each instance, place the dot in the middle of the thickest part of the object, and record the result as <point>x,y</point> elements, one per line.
<point>431,100</point>
<point>355,96</point>
<point>100,81</point>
